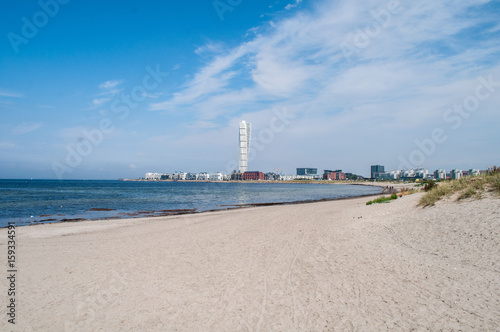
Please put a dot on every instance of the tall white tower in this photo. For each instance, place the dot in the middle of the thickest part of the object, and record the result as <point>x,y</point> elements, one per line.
<point>245,136</point>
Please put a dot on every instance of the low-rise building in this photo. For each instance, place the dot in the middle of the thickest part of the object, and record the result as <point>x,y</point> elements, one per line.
<point>415,173</point>
<point>286,177</point>
<point>254,176</point>
<point>420,172</point>
<point>272,176</point>
<point>203,176</point>
<point>236,176</point>
<point>179,176</point>
<point>308,177</point>
<point>385,176</point>
<point>307,171</point>
<point>333,175</point>
<point>395,174</point>
<point>191,176</point>
<point>153,176</point>
<point>216,176</point>
<point>474,172</point>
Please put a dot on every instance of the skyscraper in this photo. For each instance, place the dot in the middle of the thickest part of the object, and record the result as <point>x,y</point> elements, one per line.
<point>245,136</point>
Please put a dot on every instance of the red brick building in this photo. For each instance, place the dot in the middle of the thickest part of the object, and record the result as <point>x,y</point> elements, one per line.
<point>334,175</point>
<point>254,176</point>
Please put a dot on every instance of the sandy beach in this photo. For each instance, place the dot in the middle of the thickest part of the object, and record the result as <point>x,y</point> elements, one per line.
<point>325,266</point>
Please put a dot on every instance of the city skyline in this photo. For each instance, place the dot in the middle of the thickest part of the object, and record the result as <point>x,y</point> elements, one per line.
<point>376,172</point>
<point>118,90</point>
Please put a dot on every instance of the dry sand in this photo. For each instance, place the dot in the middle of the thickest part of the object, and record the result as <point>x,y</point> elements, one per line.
<point>324,266</point>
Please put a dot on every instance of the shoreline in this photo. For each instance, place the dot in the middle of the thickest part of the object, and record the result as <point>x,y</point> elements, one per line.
<point>177,212</point>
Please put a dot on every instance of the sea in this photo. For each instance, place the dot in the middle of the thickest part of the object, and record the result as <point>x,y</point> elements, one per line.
<point>31,202</point>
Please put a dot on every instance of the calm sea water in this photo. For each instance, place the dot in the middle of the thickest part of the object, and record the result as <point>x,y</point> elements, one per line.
<point>30,202</point>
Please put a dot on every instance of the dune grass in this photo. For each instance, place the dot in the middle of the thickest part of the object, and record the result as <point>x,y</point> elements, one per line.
<point>467,187</point>
<point>406,191</point>
<point>383,199</point>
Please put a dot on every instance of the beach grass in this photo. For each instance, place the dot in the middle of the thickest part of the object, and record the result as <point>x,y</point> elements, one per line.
<point>466,187</point>
<point>383,199</point>
<point>407,191</point>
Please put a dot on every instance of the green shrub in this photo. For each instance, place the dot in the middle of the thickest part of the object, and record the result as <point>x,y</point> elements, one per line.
<point>383,199</point>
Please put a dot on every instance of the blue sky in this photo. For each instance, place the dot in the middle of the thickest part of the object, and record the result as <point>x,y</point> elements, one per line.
<point>104,90</point>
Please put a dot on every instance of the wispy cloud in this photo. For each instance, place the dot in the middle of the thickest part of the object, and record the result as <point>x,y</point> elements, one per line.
<point>99,101</point>
<point>210,80</point>
<point>108,90</point>
<point>110,85</point>
<point>293,5</point>
<point>152,95</point>
<point>203,124</point>
<point>112,89</point>
<point>7,145</point>
<point>301,57</point>
<point>416,64</point>
<point>10,94</point>
<point>26,127</point>
<point>495,28</point>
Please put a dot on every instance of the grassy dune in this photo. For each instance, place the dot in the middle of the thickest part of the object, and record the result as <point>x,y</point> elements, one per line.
<point>383,199</point>
<point>467,187</point>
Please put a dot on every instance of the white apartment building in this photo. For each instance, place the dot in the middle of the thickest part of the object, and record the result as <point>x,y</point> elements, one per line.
<point>440,174</point>
<point>216,176</point>
<point>203,176</point>
<point>181,176</point>
<point>191,176</point>
<point>153,176</point>
<point>474,172</point>
<point>456,174</point>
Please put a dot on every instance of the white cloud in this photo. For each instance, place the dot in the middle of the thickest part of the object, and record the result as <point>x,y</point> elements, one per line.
<point>494,29</point>
<point>99,101</point>
<point>71,134</point>
<point>278,77</point>
<point>10,94</point>
<point>26,127</point>
<point>110,85</point>
<point>210,47</point>
<point>209,80</point>
<point>293,5</point>
<point>415,63</point>
<point>203,124</point>
<point>109,89</point>
<point>152,95</point>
